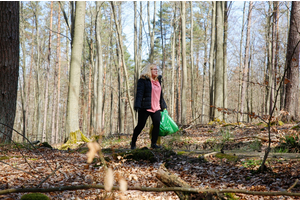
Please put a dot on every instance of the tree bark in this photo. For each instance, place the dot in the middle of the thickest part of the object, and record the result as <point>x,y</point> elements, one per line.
<point>219,73</point>
<point>244,82</point>
<point>9,65</point>
<point>47,79</point>
<point>192,62</point>
<point>211,62</point>
<point>74,77</point>
<point>184,67</point>
<point>124,64</point>
<point>292,63</point>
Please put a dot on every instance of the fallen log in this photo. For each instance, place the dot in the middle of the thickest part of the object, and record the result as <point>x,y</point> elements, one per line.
<point>172,180</point>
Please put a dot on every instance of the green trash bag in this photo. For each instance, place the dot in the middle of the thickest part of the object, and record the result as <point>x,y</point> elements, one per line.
<point>167,125</point>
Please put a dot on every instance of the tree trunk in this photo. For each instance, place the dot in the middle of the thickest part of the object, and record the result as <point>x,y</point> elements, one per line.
<point>184,67</point>
<point>124,64</point>
<point>9,66</point>
<point>74,77</point>
<point>219,74</point>
<point>58,81</point>
<point>98,114</point>
<point>172,107</point>
<point>151,31</point>
<point>226,13</point>
<point>244,83</point>
<point>240,61</point>
<point>211,62</point>
<point>192,63</point>
<point>44,136</point>
<point>292,63</point>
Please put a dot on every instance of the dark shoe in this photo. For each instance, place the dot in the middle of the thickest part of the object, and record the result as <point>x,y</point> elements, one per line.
<point>155,146</point>
<point>132,146</point>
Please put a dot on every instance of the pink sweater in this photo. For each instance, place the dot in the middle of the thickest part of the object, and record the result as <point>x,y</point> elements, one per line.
<point>155,96</point>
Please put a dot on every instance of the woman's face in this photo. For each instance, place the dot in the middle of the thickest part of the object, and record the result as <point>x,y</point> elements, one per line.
<point>154,72</point>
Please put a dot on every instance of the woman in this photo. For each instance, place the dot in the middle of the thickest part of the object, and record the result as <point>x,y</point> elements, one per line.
<point>149,101</point>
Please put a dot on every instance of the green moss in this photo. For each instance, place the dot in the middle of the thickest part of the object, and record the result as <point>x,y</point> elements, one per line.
<point>46,144</point>
<point>231,196</point>
<point>181,152</point>
<point>229,157</point>
<point>4,158</point>
<point>35,196</point>
<point>139,154</point>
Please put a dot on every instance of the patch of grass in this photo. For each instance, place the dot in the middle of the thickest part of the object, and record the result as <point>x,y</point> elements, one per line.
<point>250,163</point>
<point>33,159</point>
<point>256,145</point>
<point>226,135</point>
<point>229,157</point>
<point>4,158</point>
<point>280,150</point>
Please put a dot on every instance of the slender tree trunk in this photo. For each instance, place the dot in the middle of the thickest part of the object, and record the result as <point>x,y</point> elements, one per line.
<point>240,60</point>
<point>123,63</point>
<point>100,72</point>
<point>219,74</point>
<point>172,107</point>
<point>151,31</point>
<point>244,82</point>
<point>204,72</point>
<point>58,81</point>
<point>192,63</point>
<point>226,13</point>
<point>47,79</point>
<point>184,67</point>
<point>211,62</point>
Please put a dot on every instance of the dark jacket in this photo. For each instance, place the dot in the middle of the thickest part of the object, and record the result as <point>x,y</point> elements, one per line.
<point>143,94</point>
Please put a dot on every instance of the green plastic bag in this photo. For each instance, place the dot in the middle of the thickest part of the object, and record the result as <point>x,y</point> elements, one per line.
<point>167,125</point>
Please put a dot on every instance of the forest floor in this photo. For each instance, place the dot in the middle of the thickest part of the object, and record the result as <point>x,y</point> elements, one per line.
<point>193,154</point>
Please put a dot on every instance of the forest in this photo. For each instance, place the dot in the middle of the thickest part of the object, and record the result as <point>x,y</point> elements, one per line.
<point>69,73</point>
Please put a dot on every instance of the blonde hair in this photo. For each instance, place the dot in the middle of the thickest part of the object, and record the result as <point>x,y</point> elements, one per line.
<point>147,71</point>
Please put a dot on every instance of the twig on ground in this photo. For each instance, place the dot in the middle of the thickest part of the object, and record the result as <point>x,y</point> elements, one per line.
<point>19,169</point>
<point>293,185</point>
<point>53,172</point>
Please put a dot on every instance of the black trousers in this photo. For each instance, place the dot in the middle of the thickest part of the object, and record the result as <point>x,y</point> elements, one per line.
<point>143,115</point>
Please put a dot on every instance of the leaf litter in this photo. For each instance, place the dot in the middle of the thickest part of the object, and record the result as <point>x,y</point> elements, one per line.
<point>187,161</point>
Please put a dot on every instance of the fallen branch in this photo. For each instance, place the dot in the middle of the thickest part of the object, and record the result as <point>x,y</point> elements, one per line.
<point>146,189</point>
<point>49,176</point>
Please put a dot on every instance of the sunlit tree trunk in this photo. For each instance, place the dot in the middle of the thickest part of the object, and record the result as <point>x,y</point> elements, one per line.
<point>47,80</point>
<point>244,81</point>
<point>172,104</point>
<point>241,61</point>
<point>192,62</point>
<point>99,67</point>
<point>184,67</point>
<point>72,124</point>
<point>123,63</point>
<point>151,31</point>
<point>219,73</point>
<point>211,62</point>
